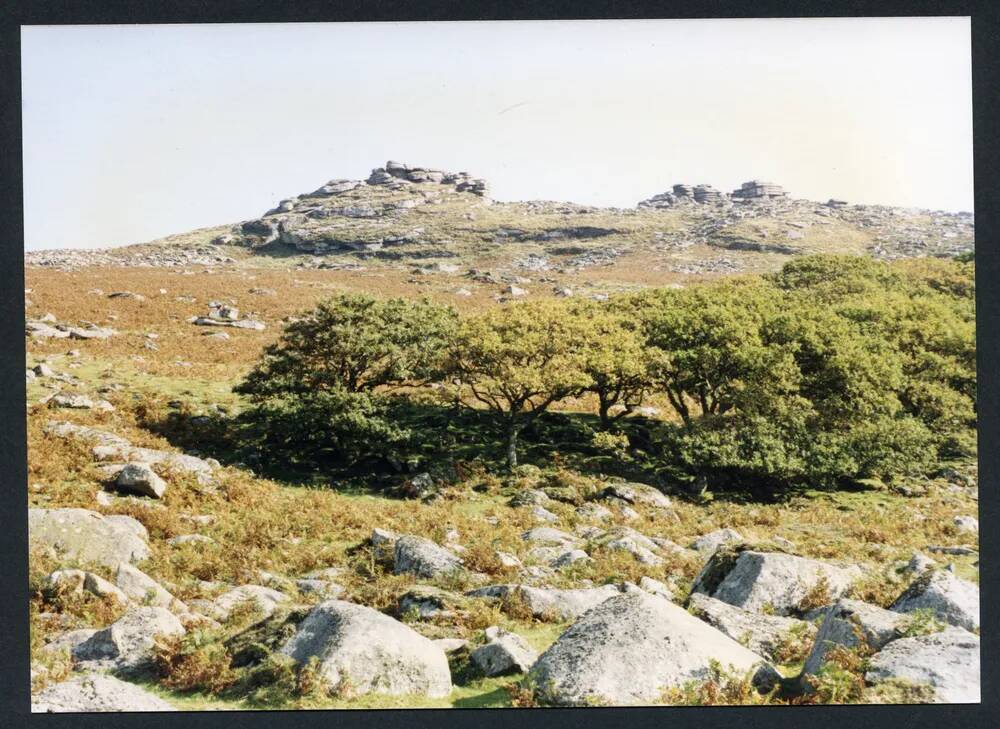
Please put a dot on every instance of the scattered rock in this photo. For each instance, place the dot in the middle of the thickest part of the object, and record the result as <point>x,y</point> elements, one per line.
<point>771,581</point>
<point>967,524</point>
<point>265,599</point>
<point>948,661</point>
<point>549,603</point>
<point>96,693</point>
<point>127,645</point>
<point>86,536</point>
<point>140,478</point>
<point>144,590</point>
<point>953,600</point>
<point>637,494</point>
<point>763,634</point>
<point>708,543</point>
<point>627,650</point>
<point>848,623</point>
<point>424,558</point>
<point>504,653</point>
<point>370,652</point>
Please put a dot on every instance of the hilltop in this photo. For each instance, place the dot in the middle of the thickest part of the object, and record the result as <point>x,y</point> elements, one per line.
<point>403,216</point>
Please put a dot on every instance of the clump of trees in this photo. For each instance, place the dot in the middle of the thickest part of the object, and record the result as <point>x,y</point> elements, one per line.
<point>832,369</point>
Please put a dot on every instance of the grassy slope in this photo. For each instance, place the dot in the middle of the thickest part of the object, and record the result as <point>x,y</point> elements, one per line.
<point>289,530</point>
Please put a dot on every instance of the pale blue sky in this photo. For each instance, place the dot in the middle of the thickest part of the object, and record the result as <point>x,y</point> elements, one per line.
<point>136,132</point>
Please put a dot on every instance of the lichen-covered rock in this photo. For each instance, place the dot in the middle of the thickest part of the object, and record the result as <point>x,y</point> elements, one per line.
<point>627,650</point>
<point>143,589</point>
<point>78,581</point>
<point>96,693</point>
<point>504,653</point>
<point>771,581</point>
<point>422,557</point>
<point>952,599</point>
<point>140,478</point>
<point>428,601</point>
<point>637,494</point>
<point>708,543</point>
<point>848,623</point>
<point>369,651</point>
<point>763,634</point>
<point>947,661</point>
<point>264,599</point>
<point>549,603</point>
<point>85,536</point>
<point>127,645</point>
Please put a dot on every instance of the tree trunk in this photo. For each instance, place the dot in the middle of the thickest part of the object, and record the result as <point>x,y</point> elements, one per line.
<point>512,446</point>
<point>603,409</point>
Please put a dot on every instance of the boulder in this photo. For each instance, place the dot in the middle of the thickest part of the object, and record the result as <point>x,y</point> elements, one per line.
<point>570,557</point>
<point>127,645</point>
<point>655,587</point>
<point>550,536</point>
<point>265,599</point>
<point>530,497</point>
<point>384,543</point>
<point>86,536</point>
<point>69,641</point>
<point>369,651</point>
<point>967,524</point>
<point>78,581</point>
<point>627,650</point>
<point>432,602</point>
<point>549,603</point>
<point>143,589</point>
<point>771,581</point>
<point>637,494</point>
<point>504,653</point>
<point>952,599</point>
<point>848,623</point>
<point>422,557</point>
<point>140,478</point>
<point>96,693</point>
<point>326,589</point>
<point>763,634</point>
<point>947,661</point>
<point>708,543</point>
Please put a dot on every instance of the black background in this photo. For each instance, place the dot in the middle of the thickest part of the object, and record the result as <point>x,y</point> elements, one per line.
<point>14,673</point>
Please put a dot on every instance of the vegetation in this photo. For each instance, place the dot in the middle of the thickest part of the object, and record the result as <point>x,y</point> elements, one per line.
<point>833,370</point>
<point>264,522</point>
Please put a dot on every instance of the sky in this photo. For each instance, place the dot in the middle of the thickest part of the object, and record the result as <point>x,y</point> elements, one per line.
<point>136,132</point>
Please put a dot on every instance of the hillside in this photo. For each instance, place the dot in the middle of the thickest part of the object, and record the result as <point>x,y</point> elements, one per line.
<point>182,559</point>
<point>409,217</point>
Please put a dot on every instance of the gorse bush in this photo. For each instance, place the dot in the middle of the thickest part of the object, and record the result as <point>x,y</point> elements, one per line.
<point>833,369</point>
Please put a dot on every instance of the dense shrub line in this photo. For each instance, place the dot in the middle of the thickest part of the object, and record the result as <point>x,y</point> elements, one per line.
<point>832,369</point>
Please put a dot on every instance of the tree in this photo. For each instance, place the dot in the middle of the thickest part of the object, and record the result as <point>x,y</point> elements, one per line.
<point>517,361</point>
<point>616,359</point>
<point>709,353</point>
<point>320,391</point>
<point>356,343</point>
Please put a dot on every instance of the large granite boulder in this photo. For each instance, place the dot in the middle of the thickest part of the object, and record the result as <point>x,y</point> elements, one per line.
<point>504,653</point>
<point>630,648</point>
<point>85,536</point>
<point>771,582</point>
<point>263,599</point>
<point>96,693</point>
<point>423,558</point>
<point>369,651</point>
<point>127,645</point>
<point>763,634</point>
<point>953,600</point>
<point>549,603</point>
<point>143,589</point>
<point>637,494</point>
<point>947,661</point>
<point>850,623</point>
